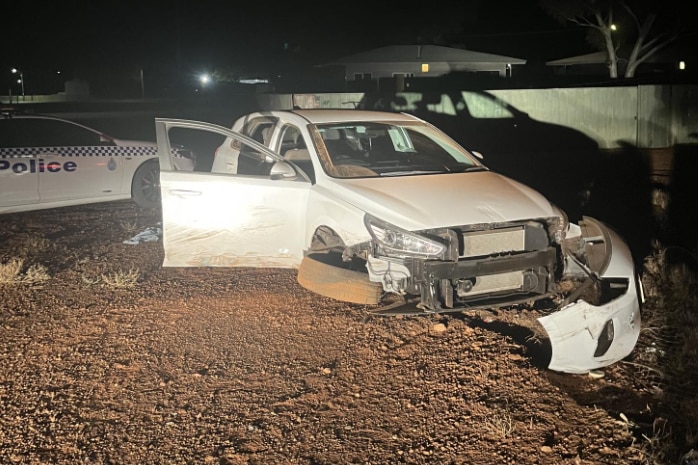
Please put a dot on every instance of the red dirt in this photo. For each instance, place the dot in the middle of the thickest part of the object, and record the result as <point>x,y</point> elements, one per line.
<point>244,366</point>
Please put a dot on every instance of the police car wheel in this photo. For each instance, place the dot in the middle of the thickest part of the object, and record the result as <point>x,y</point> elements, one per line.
<point>145,189</point>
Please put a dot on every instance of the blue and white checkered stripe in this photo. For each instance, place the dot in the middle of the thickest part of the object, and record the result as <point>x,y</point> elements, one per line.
<point>91,151</point>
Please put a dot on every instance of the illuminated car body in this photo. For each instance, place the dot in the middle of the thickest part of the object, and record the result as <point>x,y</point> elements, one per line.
<point>375,207</point>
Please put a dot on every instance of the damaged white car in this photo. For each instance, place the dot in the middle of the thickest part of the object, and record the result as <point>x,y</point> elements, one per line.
<point>385,210</point>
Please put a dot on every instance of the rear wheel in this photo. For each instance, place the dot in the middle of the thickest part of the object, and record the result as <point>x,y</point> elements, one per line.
<point>324,275</point>
<point>145,189</point>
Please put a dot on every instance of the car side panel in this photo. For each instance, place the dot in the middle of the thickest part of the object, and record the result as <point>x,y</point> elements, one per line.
<point>232,221</point>
<point>97,171</point>
<point>20,183</point>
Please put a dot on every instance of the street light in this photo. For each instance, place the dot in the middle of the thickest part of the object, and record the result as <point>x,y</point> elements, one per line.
<point>21,78</point>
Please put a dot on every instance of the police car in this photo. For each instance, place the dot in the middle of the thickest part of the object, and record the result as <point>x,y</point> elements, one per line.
<point>48,162</point>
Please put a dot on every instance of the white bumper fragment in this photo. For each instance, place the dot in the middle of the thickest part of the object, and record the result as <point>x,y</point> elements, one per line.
<point>586,337</point>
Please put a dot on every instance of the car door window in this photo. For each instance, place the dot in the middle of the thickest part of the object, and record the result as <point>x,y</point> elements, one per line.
<point>234,157</point>
<point>294,149</point>
<point>260,132</point>
<point>227,155</point>
<point>20,184</point>
<point>291,138</point>
<point>259,129</point>
<point>8,134</point>
<point>48,133</point>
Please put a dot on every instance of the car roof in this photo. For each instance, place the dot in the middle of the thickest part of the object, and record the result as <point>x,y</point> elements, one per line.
<point>326,115</point>
<point>39,116</point>
<point>11,116</point>
<point>28,116</point>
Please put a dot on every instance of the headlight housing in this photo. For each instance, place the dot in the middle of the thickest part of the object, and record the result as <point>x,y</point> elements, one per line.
<point>397,242</point>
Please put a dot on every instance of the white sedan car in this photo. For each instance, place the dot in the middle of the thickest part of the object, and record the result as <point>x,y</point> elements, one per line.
<point>48,162</point>
<point>384,209</point>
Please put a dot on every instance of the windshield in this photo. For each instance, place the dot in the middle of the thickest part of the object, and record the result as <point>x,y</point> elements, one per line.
<point>372,149</point>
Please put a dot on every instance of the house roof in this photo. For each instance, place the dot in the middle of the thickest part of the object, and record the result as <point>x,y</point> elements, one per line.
<point>588,59</point>
<point>428,53</point>
<point>663,56</point>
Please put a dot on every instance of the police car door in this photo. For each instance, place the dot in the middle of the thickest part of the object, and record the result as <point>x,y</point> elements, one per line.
<point>75,162</point>
<point>253,217</point>
<point>19,185</point>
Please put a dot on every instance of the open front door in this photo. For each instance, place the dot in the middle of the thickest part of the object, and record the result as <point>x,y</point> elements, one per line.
<point>252,218</point>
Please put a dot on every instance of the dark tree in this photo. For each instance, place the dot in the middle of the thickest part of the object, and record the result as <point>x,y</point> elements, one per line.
<point>629,33</point>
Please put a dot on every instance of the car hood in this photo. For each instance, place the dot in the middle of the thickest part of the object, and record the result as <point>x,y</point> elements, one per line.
<point>430,201</point>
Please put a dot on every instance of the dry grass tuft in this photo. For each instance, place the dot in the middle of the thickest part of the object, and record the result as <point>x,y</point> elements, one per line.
<point>130,226</point>
<point>122,279</point>
<point>11,272</point>
<point>30,245</point>
<point>500,425</point>
<point>35,274</point>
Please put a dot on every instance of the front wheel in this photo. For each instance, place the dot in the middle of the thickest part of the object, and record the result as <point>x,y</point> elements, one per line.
<point>145,188</point>
<point>319,273</point>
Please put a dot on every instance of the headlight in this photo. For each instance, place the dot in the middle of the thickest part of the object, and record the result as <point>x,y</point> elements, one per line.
<point>401,243</point>
<point>558,225</point>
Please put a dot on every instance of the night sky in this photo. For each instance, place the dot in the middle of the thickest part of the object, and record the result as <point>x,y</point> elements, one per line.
<point>56,41</point>
<point>196,33</point>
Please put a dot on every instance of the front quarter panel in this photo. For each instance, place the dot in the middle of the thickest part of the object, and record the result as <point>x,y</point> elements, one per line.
<point>327,208</point>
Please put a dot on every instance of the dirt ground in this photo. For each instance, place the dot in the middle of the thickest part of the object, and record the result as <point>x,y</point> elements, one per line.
<point>223,366</point>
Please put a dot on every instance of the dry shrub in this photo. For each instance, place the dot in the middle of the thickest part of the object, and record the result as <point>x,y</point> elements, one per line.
<point>11,272</point>
<point>667,351</point>
<point>125,279</point>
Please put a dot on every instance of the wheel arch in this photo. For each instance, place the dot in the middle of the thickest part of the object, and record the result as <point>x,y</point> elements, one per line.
<point>145,184</point>
<point>340,228</point>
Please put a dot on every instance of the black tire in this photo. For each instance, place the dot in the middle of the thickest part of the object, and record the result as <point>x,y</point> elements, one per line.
<point>145,188</point>
<point>338,283</point>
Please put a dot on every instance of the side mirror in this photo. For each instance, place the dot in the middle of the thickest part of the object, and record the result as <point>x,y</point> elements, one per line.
<point>477,154</point>
<point>282,170</point>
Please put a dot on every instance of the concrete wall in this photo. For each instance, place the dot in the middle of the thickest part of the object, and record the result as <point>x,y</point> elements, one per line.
<point>650,116</point>
<point>645,116</point>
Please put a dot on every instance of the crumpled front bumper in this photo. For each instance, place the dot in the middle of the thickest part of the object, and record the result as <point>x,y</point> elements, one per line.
<point>585,336</point>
